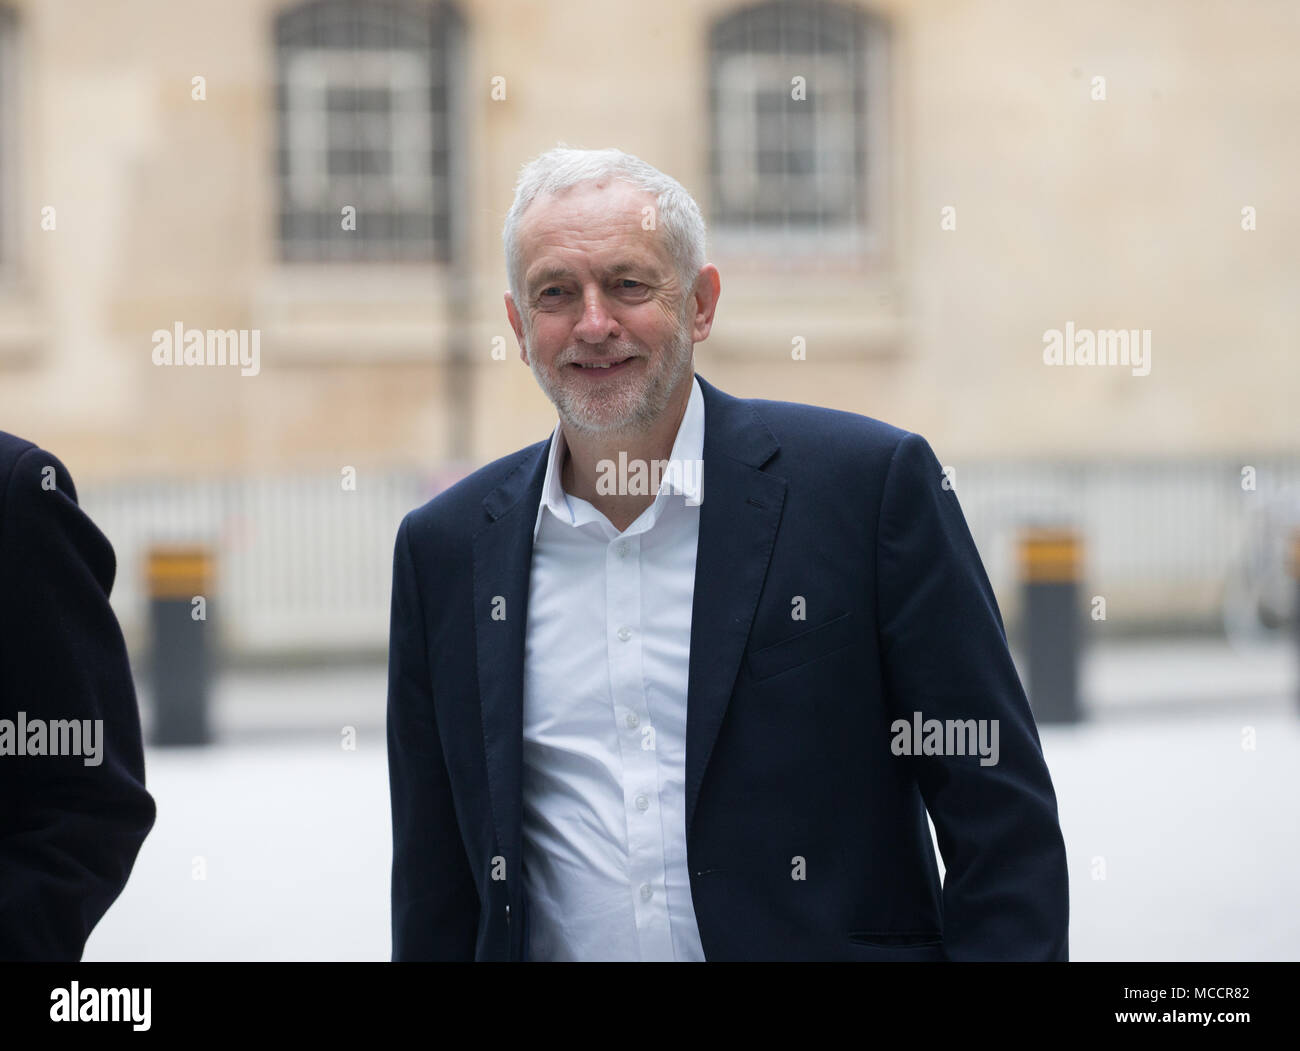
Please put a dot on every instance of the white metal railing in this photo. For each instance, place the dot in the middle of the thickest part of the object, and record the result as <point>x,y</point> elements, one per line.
<point>303,565</point>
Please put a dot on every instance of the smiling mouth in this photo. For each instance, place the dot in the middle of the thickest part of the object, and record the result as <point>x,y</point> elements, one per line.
<point>603,366</point>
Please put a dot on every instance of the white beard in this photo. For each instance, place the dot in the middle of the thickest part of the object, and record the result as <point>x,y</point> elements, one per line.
<point>633,403</point>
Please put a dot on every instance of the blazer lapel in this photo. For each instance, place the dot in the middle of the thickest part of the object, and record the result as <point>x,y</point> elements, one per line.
<point>738,522</point>
<point>503,553</point>
<point>738,519</point>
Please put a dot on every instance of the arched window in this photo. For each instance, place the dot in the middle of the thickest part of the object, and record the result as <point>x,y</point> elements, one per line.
<point>366,131</point>
<point>798,125</point>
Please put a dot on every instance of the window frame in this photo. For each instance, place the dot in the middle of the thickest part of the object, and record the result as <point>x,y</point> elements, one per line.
<point>864,240</point>
<point>302,53</point>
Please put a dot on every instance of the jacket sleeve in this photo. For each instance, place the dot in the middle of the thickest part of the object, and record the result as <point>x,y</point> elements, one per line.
<point>69,832</point>
<point>435,902</point>
<point>1006,890</point>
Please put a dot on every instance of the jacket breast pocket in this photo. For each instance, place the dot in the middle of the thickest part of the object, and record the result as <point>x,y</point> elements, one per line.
<point>803,648</point>
<point>898,939</point>
<point>898,946</point>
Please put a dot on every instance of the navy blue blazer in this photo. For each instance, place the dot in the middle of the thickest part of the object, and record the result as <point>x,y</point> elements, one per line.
<point>788,750</point>
<point>69,833</point>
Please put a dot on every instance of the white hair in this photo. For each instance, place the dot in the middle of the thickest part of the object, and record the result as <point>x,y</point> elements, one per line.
<point>677,216</point>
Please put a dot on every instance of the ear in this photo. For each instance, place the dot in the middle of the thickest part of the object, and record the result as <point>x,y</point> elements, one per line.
<point>708,287</point>
<point>517,323</point>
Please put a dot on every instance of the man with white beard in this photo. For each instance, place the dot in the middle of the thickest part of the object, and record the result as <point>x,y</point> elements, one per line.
<point>650,725</point>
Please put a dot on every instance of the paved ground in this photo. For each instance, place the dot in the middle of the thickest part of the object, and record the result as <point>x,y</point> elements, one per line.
<point>1199,838</point>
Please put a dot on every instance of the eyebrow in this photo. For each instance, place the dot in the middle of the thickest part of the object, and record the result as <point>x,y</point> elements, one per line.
<point>558,273</point>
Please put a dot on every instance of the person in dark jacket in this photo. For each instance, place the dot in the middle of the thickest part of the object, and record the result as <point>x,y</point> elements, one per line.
<point>703,723</point>
<point>74,810</point>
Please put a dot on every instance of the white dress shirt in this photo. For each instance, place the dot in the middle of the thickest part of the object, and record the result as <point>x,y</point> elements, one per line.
<point>604,719</point>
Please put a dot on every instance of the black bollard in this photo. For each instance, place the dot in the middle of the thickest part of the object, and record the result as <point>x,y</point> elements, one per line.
<point>1295,574</point>
<point>1050,563</point>
<point>181,659</point>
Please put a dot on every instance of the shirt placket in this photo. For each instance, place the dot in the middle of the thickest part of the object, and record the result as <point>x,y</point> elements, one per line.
<point>645,855</point>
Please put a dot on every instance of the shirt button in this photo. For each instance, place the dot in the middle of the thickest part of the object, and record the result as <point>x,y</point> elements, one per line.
<point>631,719</point>
<point>642,803</point>
<point>621,550</point>
<point>624,634</point>
<point>646,891</point>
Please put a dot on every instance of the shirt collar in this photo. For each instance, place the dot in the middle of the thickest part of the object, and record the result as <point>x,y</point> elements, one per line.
<point>683,475</point>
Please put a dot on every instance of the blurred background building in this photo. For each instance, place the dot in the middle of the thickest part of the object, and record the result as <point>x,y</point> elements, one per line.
<point>915,191</point>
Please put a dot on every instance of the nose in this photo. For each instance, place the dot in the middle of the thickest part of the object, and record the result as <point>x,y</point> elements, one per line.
<point>597,324</point>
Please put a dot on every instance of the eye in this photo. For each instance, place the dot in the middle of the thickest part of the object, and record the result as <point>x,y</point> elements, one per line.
<point>553,288</point>
<point>628,282</point>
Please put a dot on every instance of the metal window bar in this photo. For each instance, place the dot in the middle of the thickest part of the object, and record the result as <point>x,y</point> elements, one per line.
<point>364,112</point>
